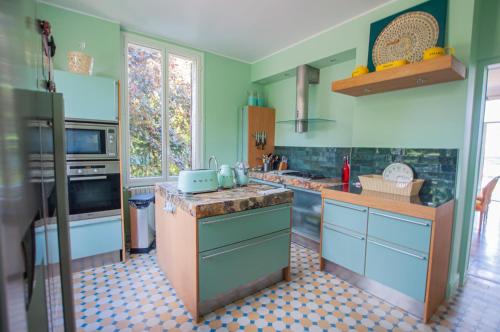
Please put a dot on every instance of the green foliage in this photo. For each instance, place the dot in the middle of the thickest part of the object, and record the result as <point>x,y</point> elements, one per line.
<point>145,84</point>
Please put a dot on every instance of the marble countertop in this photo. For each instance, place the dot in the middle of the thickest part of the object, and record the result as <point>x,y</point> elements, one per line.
<point>290,180</point>
<point>221,202</point>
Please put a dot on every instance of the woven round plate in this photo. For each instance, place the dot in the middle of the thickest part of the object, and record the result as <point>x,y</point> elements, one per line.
<point>406,37</point>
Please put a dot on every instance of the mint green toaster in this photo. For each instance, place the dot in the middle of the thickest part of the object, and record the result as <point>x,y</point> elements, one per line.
<point>197,181</point>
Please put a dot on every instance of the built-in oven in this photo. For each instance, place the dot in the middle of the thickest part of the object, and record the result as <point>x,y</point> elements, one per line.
<point>91,140</point>
<point>93,189</point>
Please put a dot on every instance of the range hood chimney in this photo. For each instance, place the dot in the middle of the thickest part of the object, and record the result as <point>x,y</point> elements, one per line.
<point>305,75</point>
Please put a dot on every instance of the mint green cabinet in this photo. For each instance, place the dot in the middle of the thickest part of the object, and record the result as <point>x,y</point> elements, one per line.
<point>215,232</point>
<point>406,231</point>
<point>345,215</point>
<point>88,97</point>
<point>88,238</point>
<point>229,267</point>
<point>343,247</point>
<point>387,247</point>
<point>399,268</point>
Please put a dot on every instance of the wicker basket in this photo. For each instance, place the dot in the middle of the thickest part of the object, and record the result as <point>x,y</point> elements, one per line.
<point>80,63</point>
<point>377,183</point>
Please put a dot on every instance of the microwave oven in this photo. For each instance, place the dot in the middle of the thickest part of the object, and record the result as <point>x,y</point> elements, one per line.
<point>91,141</point>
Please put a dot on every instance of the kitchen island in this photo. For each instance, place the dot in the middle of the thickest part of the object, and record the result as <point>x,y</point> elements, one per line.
<point>218,247</point>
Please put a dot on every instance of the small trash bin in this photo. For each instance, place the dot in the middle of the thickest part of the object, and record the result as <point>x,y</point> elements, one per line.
<point>142,223</point>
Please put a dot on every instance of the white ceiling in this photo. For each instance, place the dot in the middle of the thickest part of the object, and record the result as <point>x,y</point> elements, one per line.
<point>245,30</point>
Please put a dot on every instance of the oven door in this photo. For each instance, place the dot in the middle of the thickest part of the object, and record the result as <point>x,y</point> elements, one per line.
<point>94,196</point>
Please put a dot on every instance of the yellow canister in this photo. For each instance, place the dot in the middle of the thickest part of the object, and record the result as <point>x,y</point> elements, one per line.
<point>392,64</point>
<point>435,52</point>
<point>360,70</point>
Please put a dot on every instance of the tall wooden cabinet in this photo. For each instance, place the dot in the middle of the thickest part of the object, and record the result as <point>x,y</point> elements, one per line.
<point>255,121</point>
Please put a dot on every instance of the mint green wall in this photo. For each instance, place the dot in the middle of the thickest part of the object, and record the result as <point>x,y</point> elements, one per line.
<point>427,117</point>
<point>226,84</point>
<point>323,104</point>
<point>485,51</point>
<point>102,39</point>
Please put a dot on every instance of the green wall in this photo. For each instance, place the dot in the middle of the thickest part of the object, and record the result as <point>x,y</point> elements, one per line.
<point>323,104</point>
<point>427,117</point>
<point>226,84</point>
<point>102,39</point>
<point>485,51</point>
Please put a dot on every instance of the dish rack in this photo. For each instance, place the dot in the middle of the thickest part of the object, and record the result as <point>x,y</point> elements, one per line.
<point>376,182</point>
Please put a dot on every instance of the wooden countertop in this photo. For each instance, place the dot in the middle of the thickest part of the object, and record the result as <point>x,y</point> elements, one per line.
<point>416,206</point>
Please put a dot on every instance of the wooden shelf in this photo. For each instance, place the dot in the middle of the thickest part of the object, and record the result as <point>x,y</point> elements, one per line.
<point>439,70</point>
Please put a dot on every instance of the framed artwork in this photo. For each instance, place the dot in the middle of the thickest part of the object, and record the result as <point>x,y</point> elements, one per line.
<point>405,35</point>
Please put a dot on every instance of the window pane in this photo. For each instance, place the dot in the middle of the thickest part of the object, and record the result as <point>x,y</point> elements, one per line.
<point>180,106</point>
<point>145,111</point>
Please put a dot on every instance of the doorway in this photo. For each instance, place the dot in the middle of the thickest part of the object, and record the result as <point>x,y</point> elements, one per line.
<point>484,261</point>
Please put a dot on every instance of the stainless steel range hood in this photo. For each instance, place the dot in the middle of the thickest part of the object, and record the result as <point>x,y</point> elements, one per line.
<point>305,75</point>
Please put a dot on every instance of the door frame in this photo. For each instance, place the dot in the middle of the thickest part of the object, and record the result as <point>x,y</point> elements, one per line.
<point>474,163</point>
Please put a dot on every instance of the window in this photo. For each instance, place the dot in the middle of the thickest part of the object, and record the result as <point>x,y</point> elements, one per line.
<point>163,115</point>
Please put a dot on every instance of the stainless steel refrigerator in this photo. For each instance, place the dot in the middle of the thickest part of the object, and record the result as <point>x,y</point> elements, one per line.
<point>35,263</point>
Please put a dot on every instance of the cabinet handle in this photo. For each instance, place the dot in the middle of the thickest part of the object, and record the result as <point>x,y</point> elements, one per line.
<point>398,250</point>
<point>347,234</point>
<point>241,216</point>
<point>400,219</point>
<point>348,207</point>
<point>243,246</point>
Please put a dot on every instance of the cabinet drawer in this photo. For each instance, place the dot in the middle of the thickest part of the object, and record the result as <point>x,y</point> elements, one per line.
<point>403,270</point>
<point>344,248</point>
<point>345,215</point>
<point>229,267</point>
<point>414,233</point>
<point>215,232</point>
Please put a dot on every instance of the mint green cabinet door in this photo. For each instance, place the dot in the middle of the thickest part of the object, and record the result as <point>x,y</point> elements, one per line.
<point>215,232</point>
<point>88,97</point>
<point>229,267</point>
<point>344,248</point>
<point>345,215</point>
<point>401,269</point>
<point>96,236</point>
<point>406,231</point>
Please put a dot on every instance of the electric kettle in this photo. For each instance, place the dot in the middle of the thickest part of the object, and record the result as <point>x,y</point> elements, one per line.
<point>226,177</point>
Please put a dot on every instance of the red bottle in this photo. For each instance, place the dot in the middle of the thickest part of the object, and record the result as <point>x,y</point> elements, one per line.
<point>346,170</point>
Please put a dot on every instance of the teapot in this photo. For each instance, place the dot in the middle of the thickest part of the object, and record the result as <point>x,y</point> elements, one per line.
<point>226,177</point>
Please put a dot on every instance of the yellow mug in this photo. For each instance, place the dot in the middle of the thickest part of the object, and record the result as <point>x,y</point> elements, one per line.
<point>360,70</point>
<point>435,52</point>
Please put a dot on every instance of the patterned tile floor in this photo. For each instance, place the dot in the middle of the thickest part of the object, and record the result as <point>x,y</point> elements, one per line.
<point>136,296</point>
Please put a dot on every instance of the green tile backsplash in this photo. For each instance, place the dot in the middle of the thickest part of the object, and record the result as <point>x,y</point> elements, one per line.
<point>438,167</point>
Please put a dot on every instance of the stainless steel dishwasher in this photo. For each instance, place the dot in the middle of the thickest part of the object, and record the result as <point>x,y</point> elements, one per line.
<point>306,214</point>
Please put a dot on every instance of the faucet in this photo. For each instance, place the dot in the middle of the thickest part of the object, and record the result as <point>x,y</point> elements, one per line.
<point>215,161</point>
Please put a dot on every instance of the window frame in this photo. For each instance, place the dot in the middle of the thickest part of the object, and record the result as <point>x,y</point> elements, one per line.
<point>197,114</point>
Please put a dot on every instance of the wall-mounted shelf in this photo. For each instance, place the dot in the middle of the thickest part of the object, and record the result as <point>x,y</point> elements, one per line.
<point>439,70</point>
<point>310,120</point>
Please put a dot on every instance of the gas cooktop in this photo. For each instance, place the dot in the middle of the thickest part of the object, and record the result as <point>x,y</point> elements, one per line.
<point>302,174</point>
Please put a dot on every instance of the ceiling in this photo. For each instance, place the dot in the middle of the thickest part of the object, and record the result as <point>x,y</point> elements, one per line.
<point>244,30</point>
